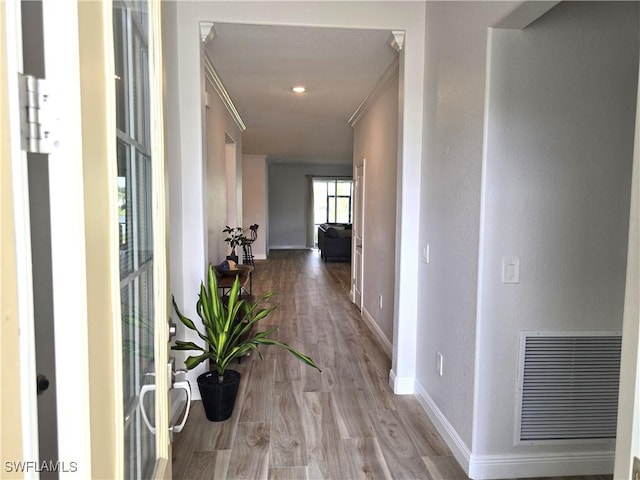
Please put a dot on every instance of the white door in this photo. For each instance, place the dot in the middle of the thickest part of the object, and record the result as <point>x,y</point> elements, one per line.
<point>103,153</point>
<point>149,386</point>
<point>358,230</point>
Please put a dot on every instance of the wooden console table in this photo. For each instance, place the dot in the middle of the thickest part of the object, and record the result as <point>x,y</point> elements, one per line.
<point>225,282</point>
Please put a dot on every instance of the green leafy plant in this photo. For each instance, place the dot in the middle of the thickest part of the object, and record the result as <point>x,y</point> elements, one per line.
<point>227,327</point>
<point>235,237</point>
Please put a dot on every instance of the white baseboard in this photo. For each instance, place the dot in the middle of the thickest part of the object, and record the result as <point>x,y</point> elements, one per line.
<point>485,467</point>
<point>522,465</point>
<point>458,447</point>
<point>384,342</point>
<point>401,385</point>
<point>289,247</point>
<point>260,256</point>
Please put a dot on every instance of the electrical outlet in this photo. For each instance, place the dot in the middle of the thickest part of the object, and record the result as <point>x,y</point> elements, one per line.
<point>439,363</point>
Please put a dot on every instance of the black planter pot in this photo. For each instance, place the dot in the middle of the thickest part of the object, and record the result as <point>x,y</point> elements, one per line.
<point>218,398</point>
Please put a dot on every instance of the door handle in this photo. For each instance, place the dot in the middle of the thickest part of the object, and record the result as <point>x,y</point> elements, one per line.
<point>181,385</point>
<point>143,391</point>
<point>186,386</point>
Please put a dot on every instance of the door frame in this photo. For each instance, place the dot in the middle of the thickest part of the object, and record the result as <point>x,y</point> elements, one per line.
<point>358,217</point>
<point>67,235</point>
<point>628,430</point>
<point>85,269</point>
<point>18,411</point>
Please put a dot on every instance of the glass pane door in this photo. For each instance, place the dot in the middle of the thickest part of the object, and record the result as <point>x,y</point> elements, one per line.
<point>130,25</point>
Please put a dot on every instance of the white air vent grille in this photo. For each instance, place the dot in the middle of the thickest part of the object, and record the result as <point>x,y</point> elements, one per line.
<point>569,385</point>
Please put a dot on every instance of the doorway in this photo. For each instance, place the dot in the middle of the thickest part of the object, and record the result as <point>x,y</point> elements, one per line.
<point>358,229</point>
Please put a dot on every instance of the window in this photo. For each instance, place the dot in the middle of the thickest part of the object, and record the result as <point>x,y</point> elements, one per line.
<point>135,225</point>
<point>332,201</point>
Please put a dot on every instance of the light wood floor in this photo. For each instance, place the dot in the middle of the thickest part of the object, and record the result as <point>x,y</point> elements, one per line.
<point>292,422</point>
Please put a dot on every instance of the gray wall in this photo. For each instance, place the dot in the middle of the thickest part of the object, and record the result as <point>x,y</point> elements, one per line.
<point>450,204</point>
<point>534,164</point>
<point>287,193</point>
<point>556,192</point>
<point>376,140</point>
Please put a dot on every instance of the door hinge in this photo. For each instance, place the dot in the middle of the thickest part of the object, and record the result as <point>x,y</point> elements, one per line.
<point>37,116</point>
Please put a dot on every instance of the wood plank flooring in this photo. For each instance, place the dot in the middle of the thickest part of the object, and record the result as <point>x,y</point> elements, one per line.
<point>291,422</point>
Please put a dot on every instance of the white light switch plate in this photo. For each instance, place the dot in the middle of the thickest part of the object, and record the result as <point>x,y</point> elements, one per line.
<point>510,270</point>
<point>426,254</point>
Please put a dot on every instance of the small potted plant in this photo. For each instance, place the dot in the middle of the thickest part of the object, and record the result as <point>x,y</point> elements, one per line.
<point>235,237</point>
<point>228,334</point>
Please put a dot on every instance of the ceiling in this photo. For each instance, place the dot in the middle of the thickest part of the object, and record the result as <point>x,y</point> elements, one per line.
<point>258,65</point>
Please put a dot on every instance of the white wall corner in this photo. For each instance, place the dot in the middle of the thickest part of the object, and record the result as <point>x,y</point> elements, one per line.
<point>401,386</point>
<point>384,342</point>
<point>458,447</point>
<point>485,467</point>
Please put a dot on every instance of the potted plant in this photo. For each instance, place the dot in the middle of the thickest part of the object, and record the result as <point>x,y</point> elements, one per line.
<point>227,333</point>
<point>235,237</point>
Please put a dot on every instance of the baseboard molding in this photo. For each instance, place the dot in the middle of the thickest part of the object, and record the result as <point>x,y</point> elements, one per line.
<point>289,247</point>
<point>401,385</point>
<point>260,256</point>
<point>486,467</point>
<point>455,443</point>
<point>493,467</point>
<point>384,342</point>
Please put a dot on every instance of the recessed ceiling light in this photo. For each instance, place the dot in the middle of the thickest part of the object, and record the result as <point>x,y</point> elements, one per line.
<point>298,89</point>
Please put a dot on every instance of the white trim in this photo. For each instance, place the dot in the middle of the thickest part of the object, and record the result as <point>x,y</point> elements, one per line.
<point>207,31</point>
<point>164,377</point>
<point>385,343</point>
<point>212,76</point>
<point>291,247</point>
<point>628,433</point>
<point>486,467</point>
<point>397,40</point>
<point>69,275</point>
<point>24,278</point>
<point>400,385</point>
<point>456,444</point>
<point>359,191</point>
<point>260,256</point>
<point>390,74</point>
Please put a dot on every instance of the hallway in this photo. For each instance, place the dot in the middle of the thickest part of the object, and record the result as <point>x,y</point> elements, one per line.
<point>291,422</point>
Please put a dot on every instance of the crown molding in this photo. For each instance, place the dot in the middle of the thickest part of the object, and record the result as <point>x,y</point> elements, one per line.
<point>397,40</point>
<point>211,75</point>
<point>389,75</point>
<point>207,32</point>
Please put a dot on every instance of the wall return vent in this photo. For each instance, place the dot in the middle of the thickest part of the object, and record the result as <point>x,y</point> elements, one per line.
<point>568,387</point>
